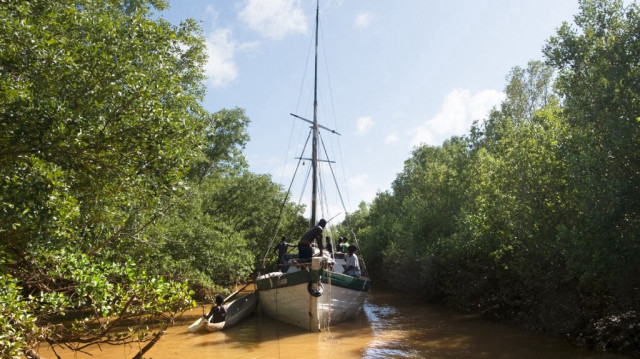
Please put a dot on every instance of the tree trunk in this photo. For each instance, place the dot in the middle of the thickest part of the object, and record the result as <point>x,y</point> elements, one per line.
<point>150,344</point>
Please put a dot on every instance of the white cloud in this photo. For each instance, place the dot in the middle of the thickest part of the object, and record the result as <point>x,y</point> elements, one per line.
<point>391,138</point>
<point>363,20</point>
<point>457,112</point>
<point>211,11</point>
<point>364,124</point>
<point>274,18</point>
<point>362,187</point>
<point>358,180</point>
<point>221,68</point>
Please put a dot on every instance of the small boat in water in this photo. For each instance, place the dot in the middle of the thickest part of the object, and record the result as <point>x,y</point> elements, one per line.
<point>316,294</point>
<point>237,309</point>
<point>204,323</point>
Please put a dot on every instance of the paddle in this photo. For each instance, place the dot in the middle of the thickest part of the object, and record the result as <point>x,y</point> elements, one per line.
<point>238,291</point>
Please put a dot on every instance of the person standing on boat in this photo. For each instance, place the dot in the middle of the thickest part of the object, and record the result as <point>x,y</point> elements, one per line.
<point>281,249</point>
<point>217,313</point>
<point>305,252</point>
<point>353,264</point>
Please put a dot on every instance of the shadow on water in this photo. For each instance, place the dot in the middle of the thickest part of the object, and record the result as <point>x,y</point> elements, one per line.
<point>391,326</point>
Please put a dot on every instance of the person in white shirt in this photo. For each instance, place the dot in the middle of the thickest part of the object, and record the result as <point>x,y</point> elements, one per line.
<point>353,265</point>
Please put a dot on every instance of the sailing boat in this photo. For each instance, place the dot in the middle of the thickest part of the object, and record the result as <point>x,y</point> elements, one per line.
<point>312,295</point>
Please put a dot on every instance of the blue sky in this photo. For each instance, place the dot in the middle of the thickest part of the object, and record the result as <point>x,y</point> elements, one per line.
<point>392,75</point>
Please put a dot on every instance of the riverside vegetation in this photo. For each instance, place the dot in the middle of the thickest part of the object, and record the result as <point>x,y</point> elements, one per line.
<point>120,195</point>
<point>534,215</point>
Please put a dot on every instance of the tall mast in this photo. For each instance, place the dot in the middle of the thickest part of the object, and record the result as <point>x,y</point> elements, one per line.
<point>314,155</point>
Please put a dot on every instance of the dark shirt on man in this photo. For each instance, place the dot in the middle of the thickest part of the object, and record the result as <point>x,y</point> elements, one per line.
<point>281,247</point>
<point>312,234</point>
<point>217,314</point>
<point>305,252</point>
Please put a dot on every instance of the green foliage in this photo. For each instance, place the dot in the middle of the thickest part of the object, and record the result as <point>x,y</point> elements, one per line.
<point>226,136</point>
<point>599,80</point>
<point>355,220</point>
<point>108,295</point>
<point>117,188</point>
<point>102,137</point>
<point>99,118</point>
<point>100,296</point>
<point>224,226</point>
<point>18,329</point>
<point>533,216</point>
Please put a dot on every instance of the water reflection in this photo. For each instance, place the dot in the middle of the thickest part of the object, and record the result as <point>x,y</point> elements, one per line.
<point>391,326</point>
<point>403,327</point>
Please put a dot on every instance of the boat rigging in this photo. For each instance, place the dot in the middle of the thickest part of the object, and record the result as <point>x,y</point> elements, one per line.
<point>296,293</point>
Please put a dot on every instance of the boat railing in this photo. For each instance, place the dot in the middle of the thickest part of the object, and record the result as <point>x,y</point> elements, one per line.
<point>298,265</point>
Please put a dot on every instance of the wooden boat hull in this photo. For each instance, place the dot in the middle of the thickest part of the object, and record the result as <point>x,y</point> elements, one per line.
<point>288,297</point>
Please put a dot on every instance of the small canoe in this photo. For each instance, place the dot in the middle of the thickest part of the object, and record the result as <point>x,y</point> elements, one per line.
<point>237,310</point>
<point>197,325</point>
<point>214,327</point>
<point>203,323</point>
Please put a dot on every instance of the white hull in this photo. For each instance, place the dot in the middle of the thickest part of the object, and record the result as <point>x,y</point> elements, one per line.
<point>339,304</point>
<point>293,304</point>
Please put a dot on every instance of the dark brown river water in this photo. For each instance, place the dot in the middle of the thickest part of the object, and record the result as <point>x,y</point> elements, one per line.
<point>391,326</point>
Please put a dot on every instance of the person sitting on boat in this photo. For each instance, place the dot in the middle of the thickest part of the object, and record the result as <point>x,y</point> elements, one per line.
<point>328,245</point>
<point>281,249</point>
<point>217,313</point>
<point>305,252</point>
<point>353,265</point>
<point>339,245</point>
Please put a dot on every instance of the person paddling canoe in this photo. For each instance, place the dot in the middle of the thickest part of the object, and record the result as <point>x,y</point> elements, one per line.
<point>217,313</point>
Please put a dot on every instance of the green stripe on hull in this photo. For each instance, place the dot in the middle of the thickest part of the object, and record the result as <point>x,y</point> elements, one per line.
<point>346,281</point>
<point>302,277</point>
<point>286,280</point>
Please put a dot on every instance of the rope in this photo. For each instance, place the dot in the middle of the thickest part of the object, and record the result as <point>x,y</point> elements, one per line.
<point>362,264</point>
<point>355,239</point>
<point>284,202</point>
<point>304,73</point>
<point>304,185</point>
<point>329,297</point>
<point>334,178</point>
<point>333,110</point>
